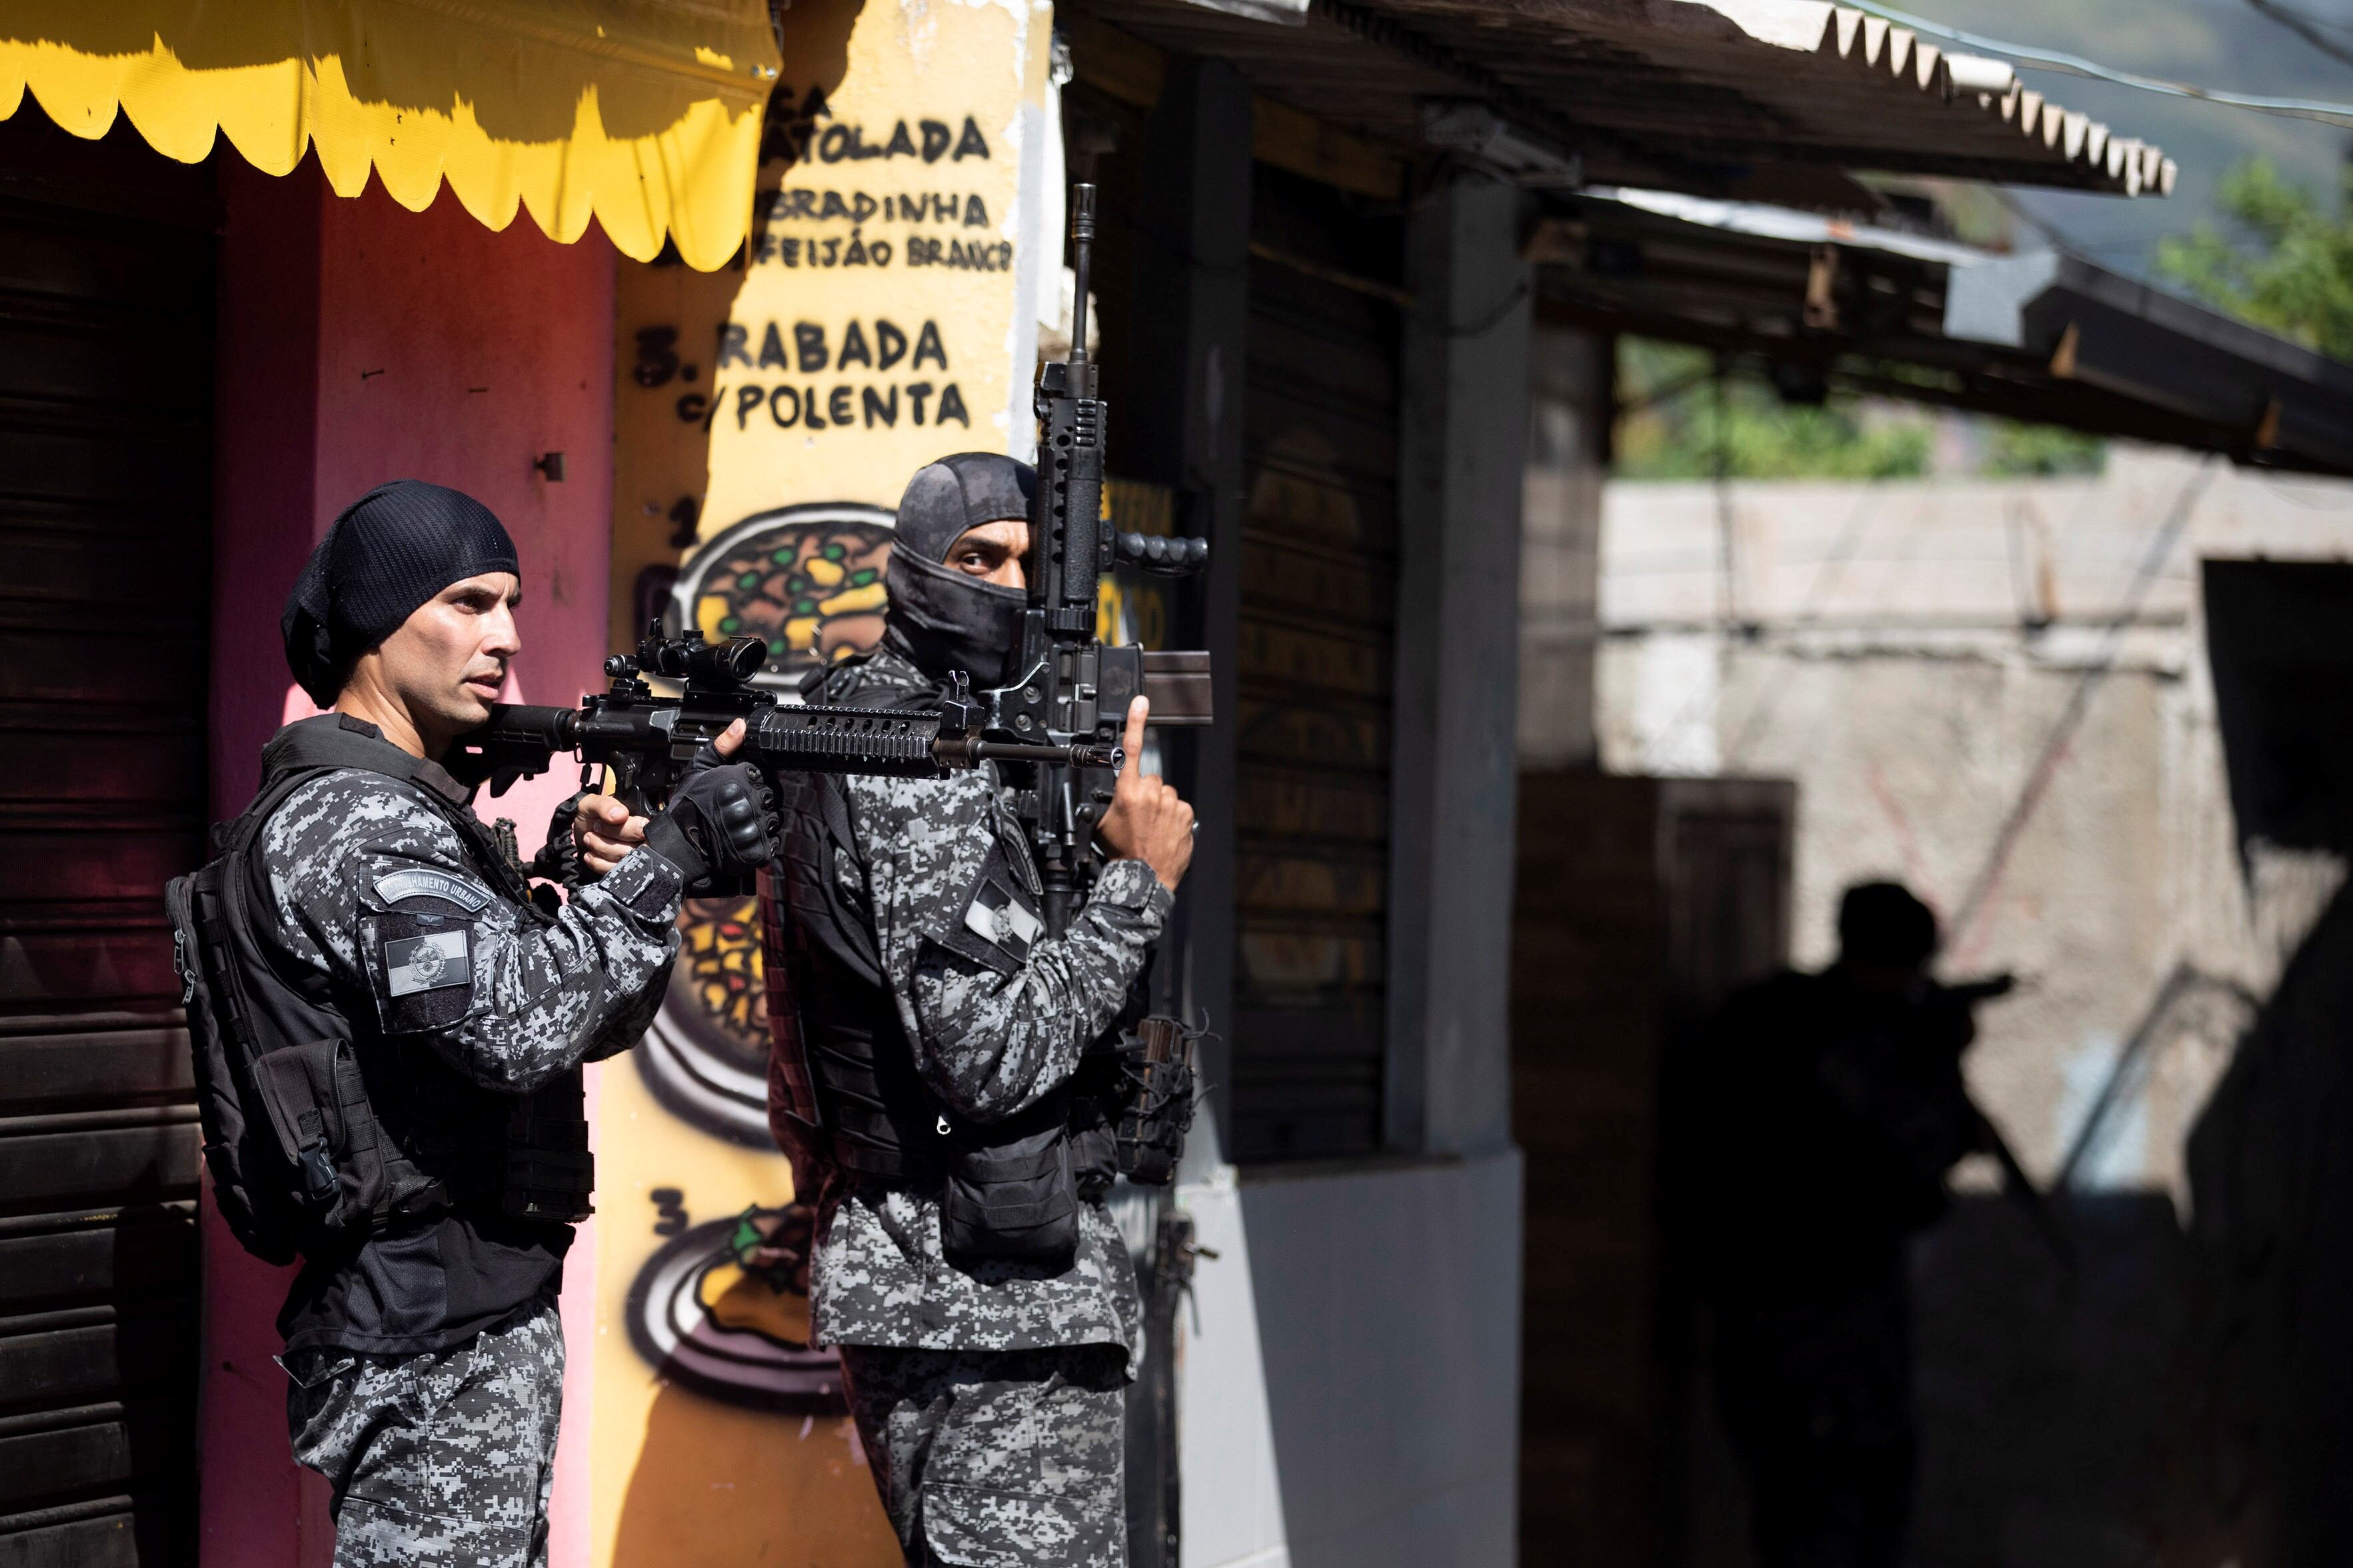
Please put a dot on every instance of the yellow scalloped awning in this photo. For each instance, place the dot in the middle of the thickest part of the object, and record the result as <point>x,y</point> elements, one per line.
<point>644,114</point>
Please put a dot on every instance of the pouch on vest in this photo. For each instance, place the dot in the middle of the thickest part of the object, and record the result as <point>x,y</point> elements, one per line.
<point>241,1156</point>
<point>1157,1112</point>
<point>550,1173</point>
<point>1011,1195</point>
<point>318,1107</point>
<point>288,1134</point>
<point>1098,1096</point>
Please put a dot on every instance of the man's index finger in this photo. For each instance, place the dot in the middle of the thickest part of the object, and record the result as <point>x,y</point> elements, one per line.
<point>1133,741</point>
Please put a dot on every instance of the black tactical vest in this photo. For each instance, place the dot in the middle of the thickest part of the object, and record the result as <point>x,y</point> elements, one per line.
<point>842,1082</point>
<point>316,1124</point>
<point>845,1100</point>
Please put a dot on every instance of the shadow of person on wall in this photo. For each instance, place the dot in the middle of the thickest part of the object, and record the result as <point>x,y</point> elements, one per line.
<point>1846,1084</point>
<point>717,1486</point>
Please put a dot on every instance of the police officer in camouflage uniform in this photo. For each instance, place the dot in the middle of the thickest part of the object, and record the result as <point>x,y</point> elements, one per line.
<point>987,1374</point>
<point>425,1353</point>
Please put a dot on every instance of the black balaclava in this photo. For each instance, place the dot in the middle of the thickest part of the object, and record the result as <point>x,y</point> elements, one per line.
<point>389,551</point>
<point>943,619</point>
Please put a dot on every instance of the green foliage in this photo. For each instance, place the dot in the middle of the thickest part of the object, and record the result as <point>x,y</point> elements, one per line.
<point>1676,437</point>
<point>2034,451</point>
<point>1765,439</point>
<point>1670,430</point>
<point>2292,273</point>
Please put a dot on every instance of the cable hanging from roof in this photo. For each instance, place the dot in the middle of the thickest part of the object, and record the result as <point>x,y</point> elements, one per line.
<point>2075,65</point>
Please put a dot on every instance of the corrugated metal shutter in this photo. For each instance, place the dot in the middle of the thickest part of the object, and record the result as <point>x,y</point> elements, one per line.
<point>1319,589</point>
<point>106,312</point>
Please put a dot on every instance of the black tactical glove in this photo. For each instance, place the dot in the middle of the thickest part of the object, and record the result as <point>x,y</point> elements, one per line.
<point>721,827</point>
<point>558,860</point>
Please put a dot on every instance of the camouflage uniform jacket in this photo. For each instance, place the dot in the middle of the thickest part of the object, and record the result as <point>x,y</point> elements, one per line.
<point>989,1043</point>
<point>347,850</point>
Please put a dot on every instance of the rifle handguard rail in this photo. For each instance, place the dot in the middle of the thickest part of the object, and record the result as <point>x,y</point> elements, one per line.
<point>806,739</point>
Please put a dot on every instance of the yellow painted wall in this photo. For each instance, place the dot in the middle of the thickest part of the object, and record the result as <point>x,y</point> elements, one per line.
<point>878,293</point>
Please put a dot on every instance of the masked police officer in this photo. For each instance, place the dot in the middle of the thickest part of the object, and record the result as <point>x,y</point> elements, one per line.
<point>374,912</point>
<point>981,1300</point>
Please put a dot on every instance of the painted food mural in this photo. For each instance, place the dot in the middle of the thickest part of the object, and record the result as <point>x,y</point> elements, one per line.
<point>807,580</point>
<point>765,418</point>
<point>705,1309</point>
<point>723,1308</point>
<point>706,1058</point>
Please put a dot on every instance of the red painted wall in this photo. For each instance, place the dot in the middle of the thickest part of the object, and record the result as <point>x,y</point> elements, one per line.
<point>361,343</point>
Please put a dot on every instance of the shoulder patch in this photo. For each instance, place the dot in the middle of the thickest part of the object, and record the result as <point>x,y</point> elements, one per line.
<point>995,924</point>
<point>995,915</point>
<point>424,881</point>
<point>429,962</point>
<point>421,968</point>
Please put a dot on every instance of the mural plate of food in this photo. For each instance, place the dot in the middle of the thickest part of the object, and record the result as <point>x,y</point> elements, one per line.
<point>706,1056</point>
<point>806,579</point>
<point>723,1310</point>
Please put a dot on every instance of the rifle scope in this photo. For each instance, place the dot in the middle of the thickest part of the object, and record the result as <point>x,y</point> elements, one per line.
<point>724,665</point>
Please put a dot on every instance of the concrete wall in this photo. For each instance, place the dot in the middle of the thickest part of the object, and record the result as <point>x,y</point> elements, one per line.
<point>362,342</point>
<point>1997,692</point>
<point>1351,1373</point>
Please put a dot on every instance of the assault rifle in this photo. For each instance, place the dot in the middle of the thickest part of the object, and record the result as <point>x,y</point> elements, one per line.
<point>1063,715</point>
<point>648,739</point>
<point>1074,690</point>
<point>2016,1184</point>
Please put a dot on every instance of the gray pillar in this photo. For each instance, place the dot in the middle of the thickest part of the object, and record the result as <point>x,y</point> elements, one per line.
<point>1568,459</point>
<point>1185,429</point>
<point>1454,790</point>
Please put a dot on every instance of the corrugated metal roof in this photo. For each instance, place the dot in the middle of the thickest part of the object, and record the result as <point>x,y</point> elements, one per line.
<point>1770,100</point>
<point>1977,106</point>
<point>2036,335</point>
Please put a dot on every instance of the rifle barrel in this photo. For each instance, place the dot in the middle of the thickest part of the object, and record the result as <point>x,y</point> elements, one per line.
<point>1083,236</point>
<point>1079,757</point>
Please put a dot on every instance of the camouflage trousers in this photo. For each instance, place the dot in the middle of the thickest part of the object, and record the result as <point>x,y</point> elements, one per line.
<point>997,1458</point>
<point>441,1459</point>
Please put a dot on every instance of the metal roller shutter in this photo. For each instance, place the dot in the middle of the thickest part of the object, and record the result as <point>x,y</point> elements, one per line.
<point>1319,591</point>
<point>106,313</point>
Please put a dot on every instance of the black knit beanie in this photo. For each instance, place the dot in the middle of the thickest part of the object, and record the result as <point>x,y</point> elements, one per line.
<point>389,551</point>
